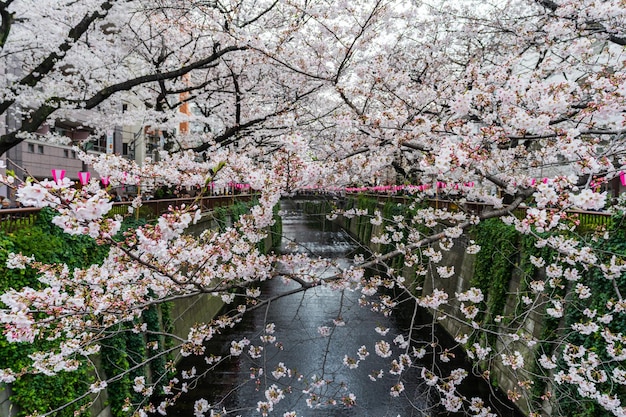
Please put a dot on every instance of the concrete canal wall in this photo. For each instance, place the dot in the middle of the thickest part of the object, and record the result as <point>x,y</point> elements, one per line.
<point>6,408</point>
<point>183,314</point>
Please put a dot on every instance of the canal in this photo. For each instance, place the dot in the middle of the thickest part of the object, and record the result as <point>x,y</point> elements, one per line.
<point>318,375</point>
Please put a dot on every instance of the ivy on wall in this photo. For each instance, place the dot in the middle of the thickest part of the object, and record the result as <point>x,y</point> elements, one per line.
<point>493,269</point>
<point>47,243</point>
<point>121,351</point>
<point>364,225</point>
<point>603,292</point>
<point>276,229</point>
<point>229,214</point>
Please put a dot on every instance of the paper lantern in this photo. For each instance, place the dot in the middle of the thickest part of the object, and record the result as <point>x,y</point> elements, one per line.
<point>84,177</point>
<point>58,175</point>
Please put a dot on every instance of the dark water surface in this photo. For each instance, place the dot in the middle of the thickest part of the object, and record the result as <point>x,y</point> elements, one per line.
<point>303,349</point>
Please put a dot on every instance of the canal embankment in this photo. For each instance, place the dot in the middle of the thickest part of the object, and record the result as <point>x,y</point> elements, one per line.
<point>308,355</point>
<point>498,271</point>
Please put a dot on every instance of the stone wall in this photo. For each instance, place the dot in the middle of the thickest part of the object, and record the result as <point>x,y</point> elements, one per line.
<point>201,308</point>
<point>207,222</point>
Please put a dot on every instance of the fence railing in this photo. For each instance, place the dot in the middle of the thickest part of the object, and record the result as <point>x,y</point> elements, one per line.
<point>152,209</point>
<point>585,220</point>
<point>13,219</point>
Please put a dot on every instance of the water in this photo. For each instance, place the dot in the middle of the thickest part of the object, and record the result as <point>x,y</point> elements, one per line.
<point>301,347</point>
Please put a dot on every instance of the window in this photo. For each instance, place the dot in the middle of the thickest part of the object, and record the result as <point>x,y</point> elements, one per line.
<point>31,148</point>
<point>74,154</point>
<point>66,153</point>
<point>40,149</point>
<point>100,144</point>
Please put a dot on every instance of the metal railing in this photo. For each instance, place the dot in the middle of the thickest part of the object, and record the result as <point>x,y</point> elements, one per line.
<point>12,219</point>
<point>585,220</point>
<point>15,218</point>
<point>588,220</point>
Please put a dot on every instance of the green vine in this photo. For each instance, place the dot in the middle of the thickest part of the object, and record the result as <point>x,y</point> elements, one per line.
<point>493,269</point>
<point>47,243</point>
<point>277,228</point>
<point>154,326</point>
<point>124,350</point>
<point>121,351</point>
<point>364,225</point>
<point>602,291</point>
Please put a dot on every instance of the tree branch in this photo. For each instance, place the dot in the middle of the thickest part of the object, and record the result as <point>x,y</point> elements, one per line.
<point>105,93</point>
<point>47,65</point>
<point>7,19</point>
<point>552,6</point>
<point>40,115</point>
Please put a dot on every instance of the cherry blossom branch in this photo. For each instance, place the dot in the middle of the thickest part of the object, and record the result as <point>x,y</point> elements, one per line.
<point>75,33</point>
<point>553,6</point>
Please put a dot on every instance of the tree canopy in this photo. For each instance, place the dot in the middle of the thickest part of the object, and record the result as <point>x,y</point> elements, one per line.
<point>515,103</point>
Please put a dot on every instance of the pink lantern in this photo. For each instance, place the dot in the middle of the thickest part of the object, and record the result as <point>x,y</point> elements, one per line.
<point>58,175</point>
<point>105,181</point>
<point>84,177</point>
<point>622,178</point>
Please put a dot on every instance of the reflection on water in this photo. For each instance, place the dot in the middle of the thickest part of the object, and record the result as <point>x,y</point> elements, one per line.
<point>301,347</point>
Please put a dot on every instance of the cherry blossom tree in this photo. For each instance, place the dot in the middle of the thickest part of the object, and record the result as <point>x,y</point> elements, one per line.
<point>107,63</point>
<point>518,104</point>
